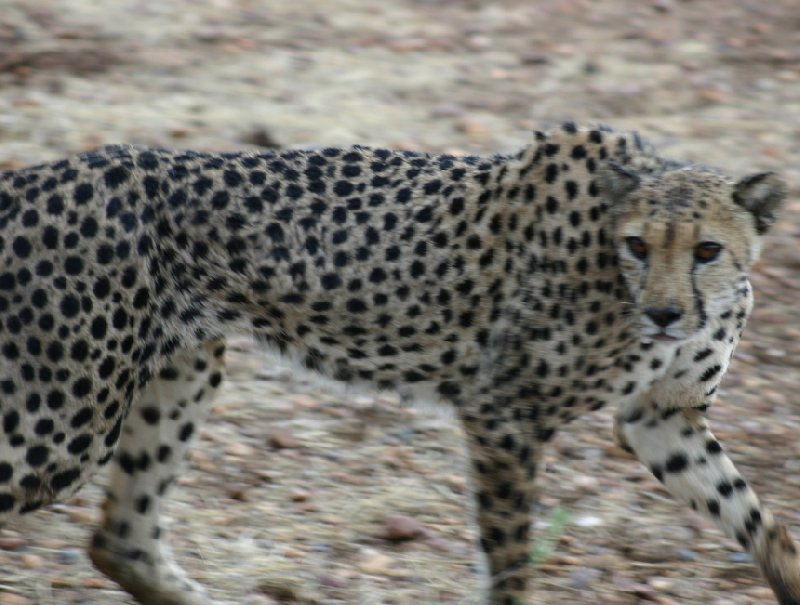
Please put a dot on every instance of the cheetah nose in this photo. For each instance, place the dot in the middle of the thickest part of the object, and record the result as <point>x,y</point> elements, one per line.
<point>663,316</point>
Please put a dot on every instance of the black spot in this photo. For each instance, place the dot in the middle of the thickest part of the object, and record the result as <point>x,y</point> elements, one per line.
<point>79,444</point>
<point>10,422</point>
<point>114,177</point>
<point>331,281</point>
<point>186,431</point>
<point>21,246</point>
<point>142,504</point>
<point>164,453</point>
<point>724,488</point>
<point>37,455</point>
<point>83,416</point>
<point>6,472</point>
<point>710,373</point>
<point>65,479</point>
<point>551,173</point>
<point>82,387</point>
<point>676,463</point>
<point>701,355</point>
<point>6,502</point>
<point>151,414</point>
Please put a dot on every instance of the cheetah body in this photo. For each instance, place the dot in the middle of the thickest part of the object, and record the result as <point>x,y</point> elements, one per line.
<point>506,286</point>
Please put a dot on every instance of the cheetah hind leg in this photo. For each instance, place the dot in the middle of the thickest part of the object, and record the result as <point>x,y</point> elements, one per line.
<point>129,546</point>
<point>680,450</point>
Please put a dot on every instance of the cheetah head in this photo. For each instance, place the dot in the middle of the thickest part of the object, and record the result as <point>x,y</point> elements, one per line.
<point>686,238</point>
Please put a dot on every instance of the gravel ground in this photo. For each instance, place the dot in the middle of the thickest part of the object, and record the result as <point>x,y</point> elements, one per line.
<point>293,489</point>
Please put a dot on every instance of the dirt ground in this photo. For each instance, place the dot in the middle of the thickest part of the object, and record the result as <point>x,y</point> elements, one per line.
<point>288,493</point>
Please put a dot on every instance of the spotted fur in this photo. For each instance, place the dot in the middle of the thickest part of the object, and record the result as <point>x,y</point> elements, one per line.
<point>525,290</point>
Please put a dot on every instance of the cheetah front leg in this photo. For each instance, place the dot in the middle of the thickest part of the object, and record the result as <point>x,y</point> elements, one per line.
<point>504,463</point>
<point>129,547</point>
<point>678,447</point>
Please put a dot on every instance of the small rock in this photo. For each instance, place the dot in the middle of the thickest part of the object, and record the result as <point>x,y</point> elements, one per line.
<point>31,562</point>
<point>588,521</point>
<point>12,543</point>
<point>712,96</point>
<point>99,584</point>
<point>69,556</point>
<point>740,557</point>
<point>458,483</point>
<point>240,450</point>
<point>583,578</point>
<point>330,581</point>
<point>377,563</point>
<point>261,137</point>
<point>238,492</point>
<point>662,584</point>
<point>401,527</point>
<point>586,482</point>
<point>179,133</point>
<point>534,58</point>
<point>281,438</point>
<point>299,495</point>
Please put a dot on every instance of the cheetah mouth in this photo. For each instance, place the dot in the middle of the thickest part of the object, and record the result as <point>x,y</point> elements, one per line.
<point>664,338</point>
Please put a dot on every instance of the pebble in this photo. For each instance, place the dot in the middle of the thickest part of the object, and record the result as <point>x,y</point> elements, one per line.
<point>584,577</point>
<point>740,557</point>
<point>31,561</point>
<point>13,543</point>
<point>378,563</point>
<point>238,492</point>
<point>586,482</point>
<point>99,583</point>
<point>401,527</point>
<point>281,438</point>
<point>331,581</point>
<point>661,584</point>
<point>588,521</point>
<point>69,556</point>
<point>458,483</point>
<point>240,450</point>
<point>299,494</point>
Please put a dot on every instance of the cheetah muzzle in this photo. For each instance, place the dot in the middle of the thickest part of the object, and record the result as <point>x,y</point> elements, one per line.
<point>524,290</point>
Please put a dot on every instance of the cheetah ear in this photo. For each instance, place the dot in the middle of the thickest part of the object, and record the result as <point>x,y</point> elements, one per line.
<point>762,194</point>
<point>616,181</point>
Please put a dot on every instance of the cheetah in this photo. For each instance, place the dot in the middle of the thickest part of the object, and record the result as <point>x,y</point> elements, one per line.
<point>523,289</point>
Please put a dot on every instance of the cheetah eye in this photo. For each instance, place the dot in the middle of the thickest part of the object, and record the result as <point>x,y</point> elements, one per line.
<point>705,252</point>
<point>637,247</point>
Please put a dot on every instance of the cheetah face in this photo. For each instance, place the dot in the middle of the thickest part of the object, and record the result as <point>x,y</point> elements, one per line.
<point>686,239</point>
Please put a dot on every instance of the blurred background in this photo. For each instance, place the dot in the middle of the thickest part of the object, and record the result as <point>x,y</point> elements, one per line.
<point>296,494</point>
